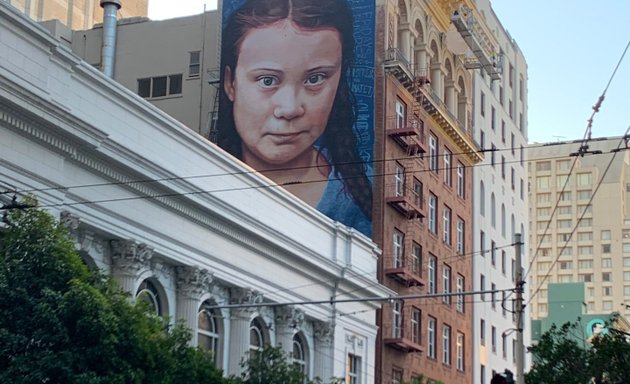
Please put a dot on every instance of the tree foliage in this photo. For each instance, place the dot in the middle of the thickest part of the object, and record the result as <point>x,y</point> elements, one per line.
<point>61,323</point>
<point>563,355</point>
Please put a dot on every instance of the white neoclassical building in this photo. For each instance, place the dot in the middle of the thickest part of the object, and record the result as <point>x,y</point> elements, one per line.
<point>178,222</point>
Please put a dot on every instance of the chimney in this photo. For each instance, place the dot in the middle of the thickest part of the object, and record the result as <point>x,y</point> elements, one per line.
<point>108,52</point>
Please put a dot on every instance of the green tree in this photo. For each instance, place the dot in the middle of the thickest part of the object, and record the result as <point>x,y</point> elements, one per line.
<point>563,356</point>
<point>559,358</point>
<point>61,323</point>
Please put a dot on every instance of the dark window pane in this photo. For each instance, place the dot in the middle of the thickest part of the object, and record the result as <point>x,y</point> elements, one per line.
<point>159,86</point>
<point>144,87</point>
<point>175,84</point>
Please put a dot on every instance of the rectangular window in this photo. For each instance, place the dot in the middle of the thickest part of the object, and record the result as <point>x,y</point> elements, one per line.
<point>482,243</point>
<point>482,331</point>
<point>397,319</point>
<point>397,376</point>
<point>432,274</point>
<point>503,167</point>
<point>194,64</point>
<point>482,104</point>
<point>416,259</point>
<point>460,298</point>
<point>482,140</point>
<point>446,225</point>
<point>160,86</point>
<point>512,143</point>
<point>175,84</point>
<point>415,325</point>
<point>493,160</point>
<point>503,262</point>
<point>446,284</point>
<point>461,185</point>
<point>417,193</point>
<point>397,249</point>
<point>353,369</point>
<point>482,286</point>
<point>401,114</point>
<point>493,296</point>
<point>431,338</point>
<point>446,345</point>
<point>432,213</point>
<point>448,171</point>
<point>493,118</point>
<point>460,236</point>
<point>493,338</point>
<point>542,182</point>
<point>493,253</point>
<point>503,131</point>
<point>433,153</point>
<point>399,180</point>
<point>584,179</point>
<point>460,351</point>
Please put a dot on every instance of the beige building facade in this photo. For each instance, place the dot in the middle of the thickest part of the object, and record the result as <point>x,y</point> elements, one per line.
<point>580,223</point>
<point>76,14</point>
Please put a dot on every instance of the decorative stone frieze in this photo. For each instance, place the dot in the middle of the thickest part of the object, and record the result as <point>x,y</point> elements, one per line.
<point>324,332</point>
<point>129,256</point>
<point>289,317</point>
<point>193,281</point>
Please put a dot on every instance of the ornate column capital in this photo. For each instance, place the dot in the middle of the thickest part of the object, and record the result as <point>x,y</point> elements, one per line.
<point>239,295</point>
<point>84,240</point>
<point>289,316</point>
<point>194,281</point>
<point>130,256</point>
<point>324,332</point>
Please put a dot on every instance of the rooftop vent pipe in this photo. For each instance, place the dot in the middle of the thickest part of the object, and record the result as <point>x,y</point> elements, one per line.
<point>108,52</point>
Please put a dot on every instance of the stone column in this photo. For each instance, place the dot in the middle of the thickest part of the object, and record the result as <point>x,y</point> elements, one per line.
<point>129,260</point>
<point>288,319</point>
<point>324,333</point>
<point>405,41</point>
<point>240,319</point>
<point>192,283</point>
<point>421,60</point>
<point>449,96</point>
<point>436,78</point>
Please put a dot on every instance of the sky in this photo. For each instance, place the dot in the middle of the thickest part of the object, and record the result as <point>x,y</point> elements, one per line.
<point>571,47</point>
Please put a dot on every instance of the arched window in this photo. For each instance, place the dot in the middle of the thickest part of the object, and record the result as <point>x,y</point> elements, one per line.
<point>300,353</point>
<point>209,331</point>
<point>493,211</point>
<point>257,333</point>
<point>482,199</point>
<point>148,293</point>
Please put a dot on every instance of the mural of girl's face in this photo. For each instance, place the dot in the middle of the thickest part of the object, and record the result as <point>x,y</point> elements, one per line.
<point>282,90</point>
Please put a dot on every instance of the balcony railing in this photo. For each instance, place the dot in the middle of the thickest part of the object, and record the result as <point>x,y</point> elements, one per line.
<point>396,337</point>
<point>408,134</point>
<point>406,273</point>
<point>405,202</point>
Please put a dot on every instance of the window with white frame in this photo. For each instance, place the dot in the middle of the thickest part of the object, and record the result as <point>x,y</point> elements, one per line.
<point>460,351</point>
<point>459,305</point>
<point>300,353</point>
<point>446,345</point>
<point>446,284</point>
<point>446,225</point>
<point>433,153</point>
<point>353,369</point>
<point>416,259</point>
<point>432,274</point>
<point>160,86</point>
<point>149,293</point>
<point>460,236</point>
<point>397,248</point>
<point>417,192</point>
<point>194,64</point>
<point>431,337</point>
<point>399,180</point>
<point>447,157</point>
<point>256,335</point>
<point>461,182</point>
<point>397,376</point>
<point>415,325</point>
<point>397,319</point>
<point>401,114</point>
<point>208,331</point>
<point>432,213</point>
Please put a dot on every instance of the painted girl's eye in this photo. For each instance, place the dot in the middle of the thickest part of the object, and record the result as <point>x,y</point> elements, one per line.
<point>315,79</point>
<point>267,81</point>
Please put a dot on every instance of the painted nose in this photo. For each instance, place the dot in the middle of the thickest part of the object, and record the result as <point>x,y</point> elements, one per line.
<point>288,105</point>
